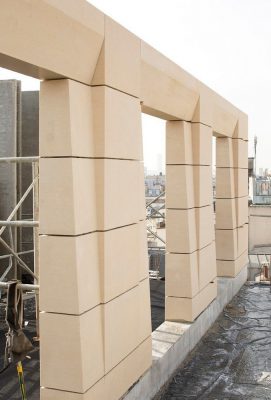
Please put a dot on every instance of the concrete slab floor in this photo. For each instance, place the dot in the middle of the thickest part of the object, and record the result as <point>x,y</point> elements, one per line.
<point>233,359</point>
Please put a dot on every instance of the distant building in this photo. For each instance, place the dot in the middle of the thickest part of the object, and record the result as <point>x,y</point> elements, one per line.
<point>154,185</point>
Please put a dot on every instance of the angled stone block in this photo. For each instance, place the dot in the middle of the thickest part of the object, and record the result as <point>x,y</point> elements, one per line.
<point>167,91</point>
<point>232,268</point>
<point>116,124</point>
<point>143,254</point>
<point>96,392</point>
<point>225,183</point>
<point>121,329</point>
<point>202,144</point>
<point>67,196</point>
<point>119,205</point>
<point>206,265</point>
<point>185,309</point>
<point>240,182</point>
<point>66,119</point>
<point>117,67</point>
<point>224,152</point>
<point>66,337</point>
<point>241,205</point>
<point>48,53</point>
<point>128,371</point>
<point>226,214</point>
<point>180,186</point>
<point>203,112</point>
<point>120,253</point>
<point>144,320</point>
<point>242,237</point>
<point>240,153</point>
<point>181,231</point>
<point>80,121</point>
<point>203,188</point>
<point>226,244</point>
<point>205,226</point>
<point>179,143</point>
<point>182,275</point>
<point>72,261</point>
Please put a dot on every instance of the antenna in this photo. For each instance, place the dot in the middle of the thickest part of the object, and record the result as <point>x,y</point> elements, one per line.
<point>255,151</point>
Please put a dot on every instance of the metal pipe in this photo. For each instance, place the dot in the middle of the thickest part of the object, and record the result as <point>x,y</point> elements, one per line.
<point>154,200</point>
<point>4,285</point>
<point>154,234</point>
<point>20,262</point>
<point>19,254</point>
<point>20,223</point>
<point>18,159</point>
<point>26,193</point>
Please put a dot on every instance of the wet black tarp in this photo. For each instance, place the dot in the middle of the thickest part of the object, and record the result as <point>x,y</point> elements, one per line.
<point>233,360</point>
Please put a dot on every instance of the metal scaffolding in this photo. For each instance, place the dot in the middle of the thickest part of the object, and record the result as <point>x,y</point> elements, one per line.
<point>14,257</point>
<point>155,217</point>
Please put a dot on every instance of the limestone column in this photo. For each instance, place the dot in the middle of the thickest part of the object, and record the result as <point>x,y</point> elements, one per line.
<point>95,298</point>
<point>190,258</point>
<point>231,204</point>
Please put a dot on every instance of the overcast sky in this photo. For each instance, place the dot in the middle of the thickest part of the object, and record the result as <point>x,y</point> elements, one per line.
<point>224,43</point>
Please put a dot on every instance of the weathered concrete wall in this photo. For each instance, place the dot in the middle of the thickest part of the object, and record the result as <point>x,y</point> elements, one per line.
<point>259,226</point>
<point>28,145</point>
<point>10,122</point>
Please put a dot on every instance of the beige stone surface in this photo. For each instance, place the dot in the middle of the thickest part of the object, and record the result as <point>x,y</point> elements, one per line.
<point>121,329</point>
<point>96,392</point>
<point>202,178</point>
<point>179,143</point>
<point>224,152</point>
<point>206,258</point>
<point>180,186</point>
<point>116,382</point>
<point>116,124</point>
<point>185,309</point>
<point>120,254</point>
<point>48,27</point>
<point>226,244</point>
<point>70,272</point>
<point>241,182</point>
<point>242,238</point>
<point>205,226</point>
<point>116,66</point>
<point>143,255</point>
<point>167,91</point>
<point>77,120</point>
<point>125,374</point>
<point>119,204</point>
<point>226,217</point>
<point>144,320</point>
<point>202,144</point>
<point>67,196</point>
<point>182,275</point>
<point>225,183</point>
<point>181,231</point>
<point>240,153</point>
<point>66,122</point>
<point>233,267</point>
<point>241,205</point>
<point>59,347</point>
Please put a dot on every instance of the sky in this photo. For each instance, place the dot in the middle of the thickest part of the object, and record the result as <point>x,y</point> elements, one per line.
<point>224,43</point>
